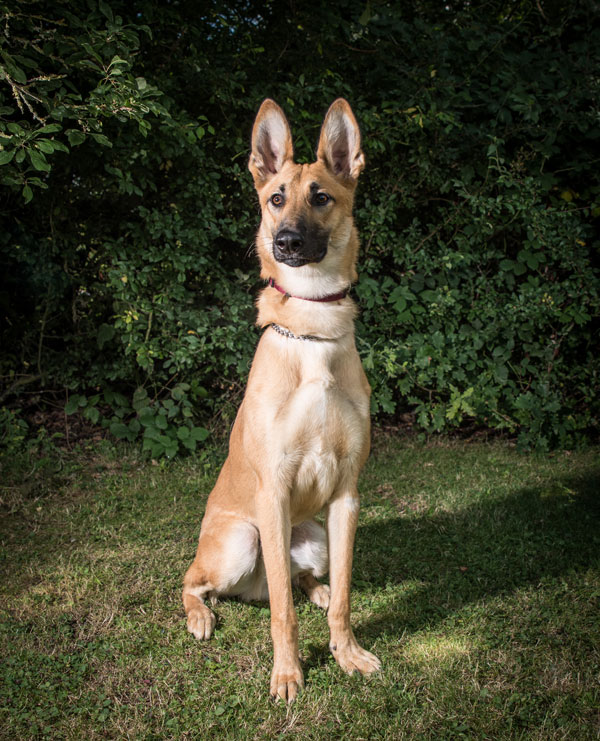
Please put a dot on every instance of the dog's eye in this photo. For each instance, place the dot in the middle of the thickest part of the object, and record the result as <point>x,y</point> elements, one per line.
<point>277,199</point>
<point>321,199</point>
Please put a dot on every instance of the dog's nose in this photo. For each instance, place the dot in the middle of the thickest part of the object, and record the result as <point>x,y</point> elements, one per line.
<point>289,242</point>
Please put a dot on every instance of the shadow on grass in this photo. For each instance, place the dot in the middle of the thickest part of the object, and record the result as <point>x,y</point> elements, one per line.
<point>418,569</point>
<point>447,560</point>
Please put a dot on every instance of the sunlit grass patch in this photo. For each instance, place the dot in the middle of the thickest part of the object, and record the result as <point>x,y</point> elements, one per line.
<point>436,651</point>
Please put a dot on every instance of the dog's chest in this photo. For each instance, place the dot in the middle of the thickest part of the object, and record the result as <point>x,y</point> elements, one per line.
<point>323,426</point>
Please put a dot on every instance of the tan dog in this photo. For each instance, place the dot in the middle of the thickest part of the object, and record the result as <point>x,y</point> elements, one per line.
<point>301,435</point>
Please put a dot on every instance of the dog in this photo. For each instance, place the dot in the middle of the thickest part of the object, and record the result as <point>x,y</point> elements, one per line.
<point>302,433</point>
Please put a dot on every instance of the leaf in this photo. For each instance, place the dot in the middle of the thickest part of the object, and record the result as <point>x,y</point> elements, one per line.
<point>155,447</point>
<point>134,426</point>
<point>171,449</point>
<point>6,156</point>
<point>16,73</point>
<point>101,139</point>
<point>146,416</point>
<point>106,10</point>
<point>119,430</point>
<point>178,393</point>
<point>152,433</point>
<point>45,145</point>
<point>140,400</point>
<point>59,146</point>
<point>92,414</point>
<point>49,129</point>
<point>501,373</point>
<point>161,421</point>
<point>105,333</point>
<point>199,434</point>
<point>366,15</point>
<point>75,137</point>
<point>73,403</point>
<point>519,268</point>
<point>38,160</point>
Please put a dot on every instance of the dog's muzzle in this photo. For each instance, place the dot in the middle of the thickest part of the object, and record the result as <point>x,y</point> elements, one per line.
<point>294,249</point>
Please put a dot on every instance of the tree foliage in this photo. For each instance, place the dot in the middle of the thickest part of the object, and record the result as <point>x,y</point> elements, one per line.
<point>127,269</point>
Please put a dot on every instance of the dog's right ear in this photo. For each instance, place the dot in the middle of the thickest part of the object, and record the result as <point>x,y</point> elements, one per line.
<point>271,143</point>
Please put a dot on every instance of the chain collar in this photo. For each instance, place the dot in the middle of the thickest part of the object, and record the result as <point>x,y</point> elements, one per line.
<point>286,333</point>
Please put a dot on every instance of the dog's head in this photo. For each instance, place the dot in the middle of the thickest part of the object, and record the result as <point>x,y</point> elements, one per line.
<point>306,241</point>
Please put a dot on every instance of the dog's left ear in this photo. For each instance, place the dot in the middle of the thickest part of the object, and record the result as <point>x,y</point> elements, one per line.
<point>339,143</point>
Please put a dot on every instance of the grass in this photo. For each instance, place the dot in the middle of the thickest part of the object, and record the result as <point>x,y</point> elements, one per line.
<point>476,582</point>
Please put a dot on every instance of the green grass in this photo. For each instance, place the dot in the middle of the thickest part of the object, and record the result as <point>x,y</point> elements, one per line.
<point>476,582</point>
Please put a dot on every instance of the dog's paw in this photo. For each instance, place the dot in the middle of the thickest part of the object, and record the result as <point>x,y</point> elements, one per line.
<point>201,622</point>
<point>320,596</point>
<point>286,683</point>
<point>316,592</point>
<point>353,658</point>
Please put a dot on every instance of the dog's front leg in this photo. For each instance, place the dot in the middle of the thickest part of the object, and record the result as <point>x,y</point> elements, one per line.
<point>275,534</point>
<point>342,518</point>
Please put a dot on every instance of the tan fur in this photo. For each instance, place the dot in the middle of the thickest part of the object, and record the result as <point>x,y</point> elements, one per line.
<point>301,435</point>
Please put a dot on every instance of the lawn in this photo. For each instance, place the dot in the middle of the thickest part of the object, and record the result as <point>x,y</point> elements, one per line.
<point>476,582</point>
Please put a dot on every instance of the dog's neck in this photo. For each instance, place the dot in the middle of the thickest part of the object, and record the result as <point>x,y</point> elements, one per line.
<point>325,320</point>
<point>328,298</point>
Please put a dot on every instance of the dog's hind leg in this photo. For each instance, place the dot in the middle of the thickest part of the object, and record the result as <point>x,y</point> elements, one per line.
<point>201,620</point>
<point>226,563</point>
<point>315,591</point>
<point>308,551</point>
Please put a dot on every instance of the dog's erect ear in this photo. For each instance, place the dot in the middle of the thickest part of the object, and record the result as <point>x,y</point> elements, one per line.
<point>339,143</point>
<point>271,142</point>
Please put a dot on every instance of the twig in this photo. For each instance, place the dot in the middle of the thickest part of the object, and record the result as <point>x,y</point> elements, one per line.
<point>539,7</point>
<point>66,420</point>
<point>24,381</point>
<point>41,340</point>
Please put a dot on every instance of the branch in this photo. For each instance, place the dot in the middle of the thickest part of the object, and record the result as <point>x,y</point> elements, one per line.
<point>24,381</point>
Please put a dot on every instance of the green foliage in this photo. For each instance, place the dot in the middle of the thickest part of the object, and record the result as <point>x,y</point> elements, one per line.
<point>498,315</point>
<point>166,426</point>
<point>66,69</point>
<point>480,284</point>
<point>13,430</point>
<point>126,259</point>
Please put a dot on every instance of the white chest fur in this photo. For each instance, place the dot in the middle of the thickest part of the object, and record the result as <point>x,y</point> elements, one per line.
<point>320,426</point>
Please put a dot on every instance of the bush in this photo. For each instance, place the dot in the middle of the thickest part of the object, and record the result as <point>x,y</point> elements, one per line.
<point>130,274</point>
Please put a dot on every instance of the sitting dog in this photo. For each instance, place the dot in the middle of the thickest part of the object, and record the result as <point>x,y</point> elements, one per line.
<point>301,435</point>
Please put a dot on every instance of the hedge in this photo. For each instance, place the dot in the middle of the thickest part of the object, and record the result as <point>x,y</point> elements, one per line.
<point>127,268</point>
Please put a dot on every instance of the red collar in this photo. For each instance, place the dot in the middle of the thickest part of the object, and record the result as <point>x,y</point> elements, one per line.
<point>331,297</point>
